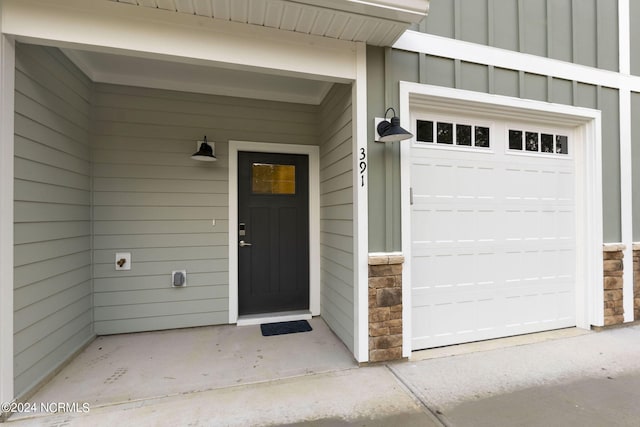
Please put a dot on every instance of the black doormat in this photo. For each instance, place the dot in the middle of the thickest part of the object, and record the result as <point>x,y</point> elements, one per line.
<point>281,328</point>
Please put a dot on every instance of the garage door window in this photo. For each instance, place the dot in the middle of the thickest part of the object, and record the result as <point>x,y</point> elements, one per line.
<point>537,142</point>
<point>444,133</point>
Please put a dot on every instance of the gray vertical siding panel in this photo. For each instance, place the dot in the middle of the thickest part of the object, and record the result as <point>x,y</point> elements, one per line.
<point>506,82</point>
<point>635,152</point>
<point>505,31</point>
<point>608,103</point>
<point>441,18</point>
<point>376,105</point>
<point>152,200</point>
<point>533,23</point>
<point>607,27</point>
<point>634,16</point>
<point>535,87</point>
<point>580,31</point>
<point>585,32</point>
<point>439,71</point>
<point>585,95</point>
<point>560,30</point>
<point>52,252</point>
<point>561,91</point>
<point>474,77</point>
<point>336,204</point>
<point>474,22</point>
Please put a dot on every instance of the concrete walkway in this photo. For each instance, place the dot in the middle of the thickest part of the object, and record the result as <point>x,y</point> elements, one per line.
<point>590,379</point>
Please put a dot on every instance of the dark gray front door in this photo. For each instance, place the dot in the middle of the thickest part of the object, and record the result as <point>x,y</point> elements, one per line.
<point>273,232</point>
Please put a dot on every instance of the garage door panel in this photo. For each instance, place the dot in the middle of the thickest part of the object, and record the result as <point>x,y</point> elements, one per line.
<point>493,243</point>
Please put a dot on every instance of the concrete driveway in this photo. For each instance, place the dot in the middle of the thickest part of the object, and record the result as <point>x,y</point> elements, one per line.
<point>585,380</point>
<point>566,379</point>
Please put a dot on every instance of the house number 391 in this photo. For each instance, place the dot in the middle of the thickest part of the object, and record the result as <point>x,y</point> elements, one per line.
<point>363,165</point>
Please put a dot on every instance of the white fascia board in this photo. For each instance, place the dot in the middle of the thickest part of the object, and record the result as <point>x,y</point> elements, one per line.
<point>407,11</point>
<point>7,90</point>
<point>111,27</point>
<point>414,41</point>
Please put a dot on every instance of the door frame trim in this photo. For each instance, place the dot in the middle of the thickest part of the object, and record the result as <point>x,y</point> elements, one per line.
<point>314,217</point>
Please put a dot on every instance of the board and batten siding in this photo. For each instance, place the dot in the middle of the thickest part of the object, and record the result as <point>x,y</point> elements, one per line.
<point>336,213</point>
<point>395,65</point>
<point>580,31</point>
<point>53,288</point>
<point>152,200</point>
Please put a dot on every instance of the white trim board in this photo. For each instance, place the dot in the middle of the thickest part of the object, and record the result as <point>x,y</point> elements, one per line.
<point>360,209</point>
<point>314,217</point>
<point>7,95</point>
<point>414,41</point>
<point>589,296</point>
<point>626,157</point>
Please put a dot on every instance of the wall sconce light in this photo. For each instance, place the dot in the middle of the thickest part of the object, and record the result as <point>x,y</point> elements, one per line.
<point>386,131</point>
<point>205,152</point>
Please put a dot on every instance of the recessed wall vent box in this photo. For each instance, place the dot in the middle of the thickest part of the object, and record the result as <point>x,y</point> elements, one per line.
<point>179,278</point>
<point>123,261</point>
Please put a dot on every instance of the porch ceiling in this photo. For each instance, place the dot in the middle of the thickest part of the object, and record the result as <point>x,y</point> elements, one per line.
<point>376,22</point>
<point>153,73</point>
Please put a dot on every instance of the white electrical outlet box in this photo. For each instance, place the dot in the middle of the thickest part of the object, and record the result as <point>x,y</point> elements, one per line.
<point>123,261</point>
<point>179,278</point>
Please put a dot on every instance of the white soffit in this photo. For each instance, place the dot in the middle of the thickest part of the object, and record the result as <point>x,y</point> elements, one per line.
<point>376,22</point>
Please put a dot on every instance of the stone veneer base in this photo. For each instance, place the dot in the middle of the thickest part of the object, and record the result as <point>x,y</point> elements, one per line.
<point>613,283</point>
<point>385,307</point>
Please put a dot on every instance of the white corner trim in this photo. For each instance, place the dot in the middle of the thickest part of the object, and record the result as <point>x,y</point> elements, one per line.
<point>589,296</point>
<point>360,209</point>
<point>7,94</point>
<point>624,36</point>
<point>626,158</point>
<point>314,217</point>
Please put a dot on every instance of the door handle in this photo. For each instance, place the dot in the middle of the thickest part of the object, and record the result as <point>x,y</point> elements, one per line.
<point>243,244</point>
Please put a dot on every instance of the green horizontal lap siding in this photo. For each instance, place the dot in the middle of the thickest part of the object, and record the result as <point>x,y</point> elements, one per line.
<point>580,31</point>
<point>152,200</point>
<point>386,68</point>
<point>336,213</point>
<point>52,230</point>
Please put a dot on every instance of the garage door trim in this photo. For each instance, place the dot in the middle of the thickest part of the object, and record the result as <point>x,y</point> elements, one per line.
<point>588,169</point>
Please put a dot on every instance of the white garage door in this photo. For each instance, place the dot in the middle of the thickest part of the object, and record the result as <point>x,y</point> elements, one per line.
<point>493,230</point>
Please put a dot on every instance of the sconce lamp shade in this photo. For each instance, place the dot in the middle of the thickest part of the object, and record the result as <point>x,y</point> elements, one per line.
<point>205,153</point>
<point>391,131</point>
